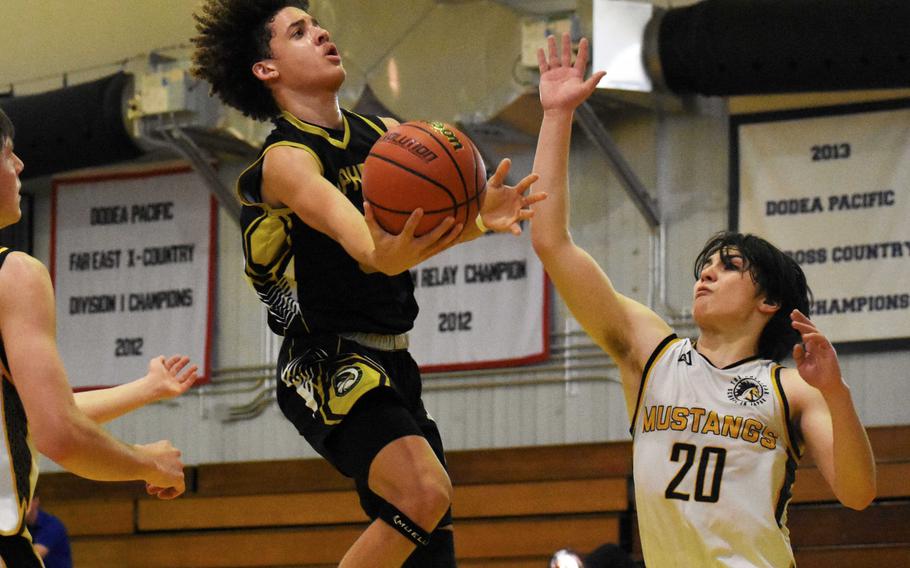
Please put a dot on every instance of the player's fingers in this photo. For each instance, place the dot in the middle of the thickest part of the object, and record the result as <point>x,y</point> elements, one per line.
<point>179,364</point>
<point>444,241</point>
<point>554,55</point>
<point>581,59</point>
<point>525,214</point>
<point>799,353</point>
<point>526,183</point>
<point>803,327</point>
<point>593,80</point>
<point>410,226</point>
<point>797,315</point>
<point>375,230</point>
<point>169,493</point>
<point>535,197</point>
<point>439,232</point>
<point>566,60</point>
<point>502,170</point>
<point>542,61</point>
<point>815,342</point>
<point>189,376</point>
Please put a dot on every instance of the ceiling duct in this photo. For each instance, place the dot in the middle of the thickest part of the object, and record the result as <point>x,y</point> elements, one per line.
<point>74,127</point>
<point>742,47</point>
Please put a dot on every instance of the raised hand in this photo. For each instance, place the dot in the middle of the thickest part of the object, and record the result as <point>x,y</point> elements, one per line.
<point>506,206</point>
<point>562,84</point>
<point>393,254</point>
<point>170,377</point>
<point>815,357</point>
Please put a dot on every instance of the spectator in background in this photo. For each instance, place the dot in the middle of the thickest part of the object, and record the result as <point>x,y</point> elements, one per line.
<point>49,536</point>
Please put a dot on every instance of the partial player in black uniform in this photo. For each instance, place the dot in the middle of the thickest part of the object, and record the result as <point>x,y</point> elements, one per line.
<point>39,410</point>
<point>345,377</point>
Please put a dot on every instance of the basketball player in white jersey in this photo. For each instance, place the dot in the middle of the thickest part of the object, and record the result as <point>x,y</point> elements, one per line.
<point>717,424</point>
<point>37,406</point>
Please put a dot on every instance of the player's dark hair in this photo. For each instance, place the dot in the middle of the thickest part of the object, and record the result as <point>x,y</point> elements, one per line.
<point>6,127</point>
<point>233,35</point>
<point>776,275</point>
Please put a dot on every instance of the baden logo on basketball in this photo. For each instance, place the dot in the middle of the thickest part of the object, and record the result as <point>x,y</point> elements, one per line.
<point>345,379</point>
<point>747,391</point>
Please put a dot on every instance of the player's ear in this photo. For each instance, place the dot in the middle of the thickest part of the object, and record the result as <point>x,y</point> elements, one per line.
<point>265,70</point>
<point>768,306</point>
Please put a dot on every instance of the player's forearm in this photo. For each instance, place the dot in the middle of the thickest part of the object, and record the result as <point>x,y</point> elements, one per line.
<point>854,464</point>
<point>82,447</point>
<point>551,162</point>
<point>104,405</point>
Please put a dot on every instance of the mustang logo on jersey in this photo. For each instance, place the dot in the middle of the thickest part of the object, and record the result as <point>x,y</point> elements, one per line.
<point>747,391</point>
<point>707,422</point>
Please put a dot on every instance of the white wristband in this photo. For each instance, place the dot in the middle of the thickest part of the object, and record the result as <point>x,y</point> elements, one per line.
<point>479,222</point>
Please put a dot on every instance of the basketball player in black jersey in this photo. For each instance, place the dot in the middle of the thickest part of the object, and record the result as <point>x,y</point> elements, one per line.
<point>345,377</point>
<point>38,404</point>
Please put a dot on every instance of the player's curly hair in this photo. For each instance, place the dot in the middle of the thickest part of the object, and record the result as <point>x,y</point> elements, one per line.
<point>6,128</point>
<point>776,275</point>
<point>233,35</point>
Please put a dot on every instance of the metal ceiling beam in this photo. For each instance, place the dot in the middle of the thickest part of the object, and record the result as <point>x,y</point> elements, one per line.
<point>595,131</point>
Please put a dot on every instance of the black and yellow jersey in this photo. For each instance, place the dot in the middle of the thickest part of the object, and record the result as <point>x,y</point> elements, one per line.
<point>332,293</point>
<point>18,466</point>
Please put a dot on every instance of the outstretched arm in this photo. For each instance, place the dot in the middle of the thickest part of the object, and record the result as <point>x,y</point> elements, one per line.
<point>292,178</point>
<point>60,430</point>
<point>827,417</point>
<point>166,378</point>
<point>625,329</point>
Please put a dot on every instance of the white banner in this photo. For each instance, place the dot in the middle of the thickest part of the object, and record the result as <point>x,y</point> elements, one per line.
<point>132,267</point>
<point>832,188</point>
<point>482,304</point>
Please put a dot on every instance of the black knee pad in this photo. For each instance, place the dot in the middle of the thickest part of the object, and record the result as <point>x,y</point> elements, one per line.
<point>401,523</point>
<point>440,553</point>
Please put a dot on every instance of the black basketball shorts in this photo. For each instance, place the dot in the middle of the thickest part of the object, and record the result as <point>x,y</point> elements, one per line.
<point>349,400</point>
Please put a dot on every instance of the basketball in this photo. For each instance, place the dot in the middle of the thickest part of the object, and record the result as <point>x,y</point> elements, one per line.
<point>430,165</point>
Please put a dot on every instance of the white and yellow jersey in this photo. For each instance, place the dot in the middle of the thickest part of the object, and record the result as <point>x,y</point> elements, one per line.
<point>714,461</point>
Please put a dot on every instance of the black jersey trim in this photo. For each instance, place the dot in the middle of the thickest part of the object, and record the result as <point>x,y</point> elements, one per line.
<point>655,355</point>
<point>792,440</point>
<point>380,128</point>
<point>4,252</point>
<point>786,490</point>
<point>247,198</point>
<point>320,131</point>
<point>743,361</point>
<point>18,451</point>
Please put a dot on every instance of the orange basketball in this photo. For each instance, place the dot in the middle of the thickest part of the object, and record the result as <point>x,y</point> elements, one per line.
<point>431,165</point>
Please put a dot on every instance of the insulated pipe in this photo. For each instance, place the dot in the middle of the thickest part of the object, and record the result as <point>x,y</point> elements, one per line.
<point>741,47</point>
<point>71,128</point>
